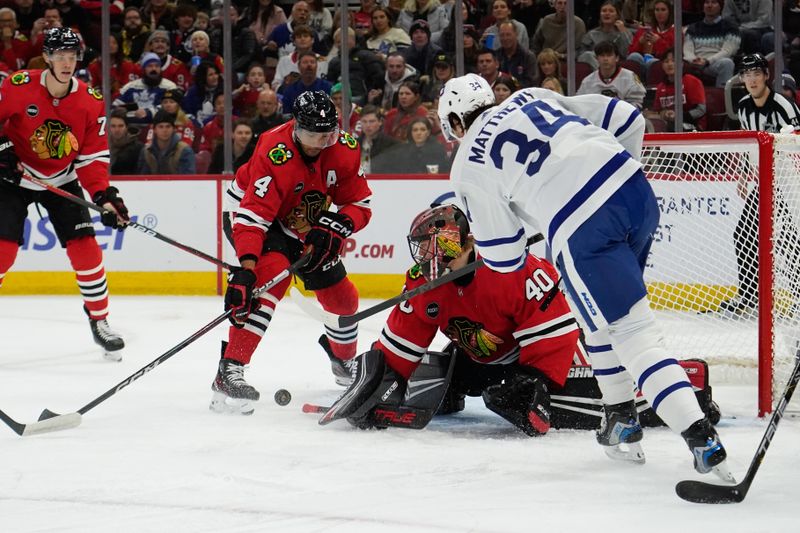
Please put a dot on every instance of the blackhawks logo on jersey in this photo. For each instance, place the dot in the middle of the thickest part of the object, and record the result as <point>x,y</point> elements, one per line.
<point>279,154</point>
<point>302,215</point>
<point>20,78</point>
<point>471,336</point>
<point>53,140</point>
<point>348,140</point>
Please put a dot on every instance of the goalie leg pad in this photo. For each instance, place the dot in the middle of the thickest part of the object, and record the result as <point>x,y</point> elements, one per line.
<point>363,393</point>
<point>524,401</point>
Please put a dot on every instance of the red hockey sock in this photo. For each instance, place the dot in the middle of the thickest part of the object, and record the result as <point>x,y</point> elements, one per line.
<point>8,253</point>
<point>341,299</point>
<point>87,262</point>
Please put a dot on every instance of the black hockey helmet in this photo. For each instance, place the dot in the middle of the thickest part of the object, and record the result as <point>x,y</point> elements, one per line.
<point>437,236</point>
<point>754,62</point>
<point>314,112</point>
<point>56,39</point>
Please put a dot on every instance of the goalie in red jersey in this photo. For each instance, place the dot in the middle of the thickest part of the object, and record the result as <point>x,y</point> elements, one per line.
<point>55,130</point>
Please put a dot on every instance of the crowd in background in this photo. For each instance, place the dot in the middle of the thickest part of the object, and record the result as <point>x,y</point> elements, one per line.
<point>167,68</point>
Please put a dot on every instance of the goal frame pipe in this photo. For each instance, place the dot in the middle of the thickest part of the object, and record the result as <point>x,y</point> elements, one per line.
<point>766,173</point>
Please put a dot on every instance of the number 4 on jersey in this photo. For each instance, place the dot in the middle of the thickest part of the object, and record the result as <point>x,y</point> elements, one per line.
<point>261,185</point>
<point>538,285</point>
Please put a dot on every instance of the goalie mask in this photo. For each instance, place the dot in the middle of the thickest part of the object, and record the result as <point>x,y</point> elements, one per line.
<point>436,237</point>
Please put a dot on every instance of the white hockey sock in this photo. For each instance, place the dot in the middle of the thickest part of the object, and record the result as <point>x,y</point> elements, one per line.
<point>614,380</point>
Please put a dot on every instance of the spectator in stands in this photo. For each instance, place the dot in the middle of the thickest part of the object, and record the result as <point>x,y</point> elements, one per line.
<point>264,16</point>
<point>611,29</point>
<point>268,114</point>
<point>501,11</point>
<point>15,47</point>
<point>245,96</point>
<point>431,11</point>
<point>710,44</point>
<point>789,88</point>
<point>514,59</point>
<point>203,22</point>
<point>504,87</point>
<point>789,38</point>
<point>553,84</point>
<point>421,153</point>
<point>488,66</point>
<point>397,71</point>
<point>363,17</point>
<point>280,40</point>
<point>321,20</point>
<point>446,39</point>
<point>552,31</point>
<point>186,126</point>
<point>244,45</point>
<point>409,105</point>
<point>28,12</point>
<point>471,49</point>
<point>693,98</point>
<point>651,42</point>
<point>610,79</point>
<point>181,35</point>
<point>309,81</point>
<point>443,70</point>
<point>332,47</point>
<point>303,38</point>
<point>375,144</point>
<point>122,70</point>
<point>354,126</point>
<point>167,154</point>
<point>385,39</point>
<point>141,97</point>
<point>199,99</point>
<point>76,17</point>
<point>134,34</point>
<point>754,20</point>
<point>549,66</point>
<point>242,147</point>
<point>421,52</point>
<point>124,145</point>
<point>158,15</point>
<point>201,51</point>
<point>366,70</point>
<point>172,68</point>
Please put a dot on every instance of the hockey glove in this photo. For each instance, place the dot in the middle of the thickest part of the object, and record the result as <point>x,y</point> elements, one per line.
<point>10,170</point>
<point>523,400</point>
<point>239,296</point>
<point>326,238</point>
<point>116,214</point>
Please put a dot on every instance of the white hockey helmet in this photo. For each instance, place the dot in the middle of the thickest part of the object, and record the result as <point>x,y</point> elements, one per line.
<point>460,97</point>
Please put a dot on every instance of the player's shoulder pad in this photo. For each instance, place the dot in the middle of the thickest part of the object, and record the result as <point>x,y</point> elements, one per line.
<point>20,77</point>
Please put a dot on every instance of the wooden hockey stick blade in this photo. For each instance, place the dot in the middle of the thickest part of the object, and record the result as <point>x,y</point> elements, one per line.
<point>314,409</point>
<point>702,492</point>
<point>56,423</point>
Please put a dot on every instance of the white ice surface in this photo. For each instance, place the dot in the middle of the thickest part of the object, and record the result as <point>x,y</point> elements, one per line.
<point>154,458</point>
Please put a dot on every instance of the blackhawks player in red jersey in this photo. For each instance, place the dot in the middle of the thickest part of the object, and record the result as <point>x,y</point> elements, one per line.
<point>296,172</point>
<point>55,130</point>
<point>513,335</point>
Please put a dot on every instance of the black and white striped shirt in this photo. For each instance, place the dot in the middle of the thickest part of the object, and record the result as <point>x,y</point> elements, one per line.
<point>776,112</point>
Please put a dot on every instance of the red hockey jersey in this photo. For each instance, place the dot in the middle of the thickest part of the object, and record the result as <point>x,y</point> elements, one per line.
<point>56,139</point>
<point>495,319</point>
<point>280,187</point>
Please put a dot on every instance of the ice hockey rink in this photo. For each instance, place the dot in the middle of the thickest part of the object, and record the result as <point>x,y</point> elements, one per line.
<point>154,458</point>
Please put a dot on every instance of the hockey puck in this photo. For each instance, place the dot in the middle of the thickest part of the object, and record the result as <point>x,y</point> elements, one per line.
<point>282,397</point>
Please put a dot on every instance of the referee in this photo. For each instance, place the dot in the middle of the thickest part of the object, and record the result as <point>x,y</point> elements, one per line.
<point>762,109</point>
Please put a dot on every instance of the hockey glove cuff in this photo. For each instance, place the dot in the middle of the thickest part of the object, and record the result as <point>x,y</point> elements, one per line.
<point>10,170</point>
<point>239,296</point>
<point>326,238</point>
<point>116,214</point>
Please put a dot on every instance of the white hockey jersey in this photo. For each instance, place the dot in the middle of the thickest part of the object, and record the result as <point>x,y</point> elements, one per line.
<point>533,159</point>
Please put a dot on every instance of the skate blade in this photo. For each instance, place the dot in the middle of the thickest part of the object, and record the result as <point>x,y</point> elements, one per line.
<point>115,356</point>
<point>724,473</point>
<point>222,403</point>
<point>629,452</point>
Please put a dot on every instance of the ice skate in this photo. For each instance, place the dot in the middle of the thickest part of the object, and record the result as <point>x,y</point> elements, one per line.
<point>232,394</point>
<point>620,432</point>
<point>342,369</point>
<point>107,339</point>
<point>709,453</point>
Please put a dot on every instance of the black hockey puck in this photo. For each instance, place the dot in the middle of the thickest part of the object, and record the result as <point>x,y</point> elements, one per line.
<point>282,397</point>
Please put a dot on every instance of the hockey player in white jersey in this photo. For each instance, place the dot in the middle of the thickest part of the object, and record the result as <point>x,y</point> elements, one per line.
<point>534,161</point>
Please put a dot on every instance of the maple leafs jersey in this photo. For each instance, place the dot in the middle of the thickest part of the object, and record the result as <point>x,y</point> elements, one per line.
<point>278,187</point>
<point>495,319</point>
<point>56,139</point>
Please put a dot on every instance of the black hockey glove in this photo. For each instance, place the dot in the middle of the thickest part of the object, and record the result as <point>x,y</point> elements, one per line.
<point>9,162</point>
<point>239,296</point>
<point>326,238</point>
<point>116,214</point>
<point>523,400</point>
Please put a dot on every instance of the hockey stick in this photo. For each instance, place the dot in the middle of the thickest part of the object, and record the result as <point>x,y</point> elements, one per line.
<point>701,492</point>
<point>314,408</point>
<point>342,321</point>
<point>133,224</point>
<point>50,421</point>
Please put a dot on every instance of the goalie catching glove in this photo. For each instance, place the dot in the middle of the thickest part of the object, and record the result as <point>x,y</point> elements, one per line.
<point>326,238</point>
<point>115,214</point>
<point>239,295</point>
<point>9,162</point>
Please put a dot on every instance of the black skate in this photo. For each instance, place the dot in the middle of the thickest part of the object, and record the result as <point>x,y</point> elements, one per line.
<point>342,370</point>
<point>709,453</point>
<point>106,338</point>
<point>620,432</point>
<point>232,394</point>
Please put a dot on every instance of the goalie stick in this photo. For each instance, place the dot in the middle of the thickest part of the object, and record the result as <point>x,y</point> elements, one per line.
<point>50,421</point>
<point>342,321</point>
<point>701,492</point>
<point>135,225</point>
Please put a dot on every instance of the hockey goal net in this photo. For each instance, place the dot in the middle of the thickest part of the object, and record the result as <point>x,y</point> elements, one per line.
<point>723,273</point>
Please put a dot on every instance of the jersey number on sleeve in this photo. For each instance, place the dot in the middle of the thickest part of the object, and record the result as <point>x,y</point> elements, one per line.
<point>261,185</point>
<point>538,285</point>
<point>102,122</point>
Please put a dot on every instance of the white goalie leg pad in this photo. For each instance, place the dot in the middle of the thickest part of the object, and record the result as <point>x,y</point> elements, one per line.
<point>612,377</point>
<point>638,341</point>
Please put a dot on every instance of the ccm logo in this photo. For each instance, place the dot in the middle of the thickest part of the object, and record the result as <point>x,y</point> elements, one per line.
<point>335,226</point>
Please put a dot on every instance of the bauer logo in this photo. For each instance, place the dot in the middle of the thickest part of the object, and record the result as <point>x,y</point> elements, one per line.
<point>39,235</point>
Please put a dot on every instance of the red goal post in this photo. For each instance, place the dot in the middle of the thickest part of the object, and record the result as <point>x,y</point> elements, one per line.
<point>703,182</point>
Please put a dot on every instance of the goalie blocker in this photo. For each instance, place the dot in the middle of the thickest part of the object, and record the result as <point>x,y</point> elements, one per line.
<point>381,398</point>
